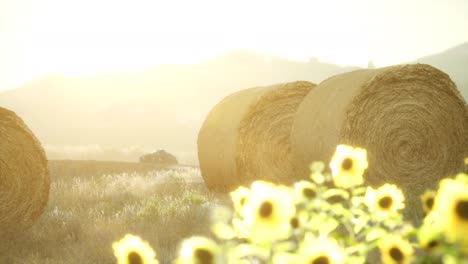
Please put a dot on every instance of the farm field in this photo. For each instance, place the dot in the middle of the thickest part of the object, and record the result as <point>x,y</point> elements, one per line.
<point>83,168</point>
<point>328,132</point>
<point>93,204</point>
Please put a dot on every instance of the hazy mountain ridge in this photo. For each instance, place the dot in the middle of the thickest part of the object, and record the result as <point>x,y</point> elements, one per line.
<point>161,107</point>
<point>454,62</point>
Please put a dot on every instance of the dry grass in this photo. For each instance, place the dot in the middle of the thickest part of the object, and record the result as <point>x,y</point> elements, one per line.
<point>85,214</point>
<point>90,168</point>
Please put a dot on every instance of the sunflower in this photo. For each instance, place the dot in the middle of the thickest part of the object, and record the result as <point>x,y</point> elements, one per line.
<point>462,178</point>
<point>348,165</point>
<point>132,250</point>
<point>268,211</point>
<point>317,166</point>
<point>320,250</point>
<point>304,191</point>
<point>199,250</point>
<point>395,250</point>
<point>299,221</point>
<point>427,200</point>
<point>285,258</point>
<point>316,172</point>
<point>387,199</point>
<point>430,235</point>
<point>451,209</point>
<point>239,196</point>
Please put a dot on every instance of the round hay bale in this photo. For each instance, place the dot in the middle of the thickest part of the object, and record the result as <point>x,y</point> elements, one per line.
<point>264,149</point>
<point>246,136</point>
<point>24,175</point>
<point>411,119</point>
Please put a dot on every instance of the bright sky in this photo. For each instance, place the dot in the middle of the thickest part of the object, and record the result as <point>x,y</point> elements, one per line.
<point>83,37</point>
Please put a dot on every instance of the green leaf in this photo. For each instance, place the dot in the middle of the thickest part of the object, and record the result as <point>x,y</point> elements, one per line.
<point>245,250</point>
<point>359,191</point>
<point>285,246</point>
<point>355,259</point>
<point>223,231</point>
<point>336,192</point>
<point>322,224</point>
<point>317,177</point>
<point>221,214</point>
<point>317,166</point>
<point>375,234</point>
<point>359,224</point>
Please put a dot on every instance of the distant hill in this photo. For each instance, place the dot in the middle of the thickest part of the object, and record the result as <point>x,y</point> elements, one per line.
<point>119,116</point>
<point>453,61</point>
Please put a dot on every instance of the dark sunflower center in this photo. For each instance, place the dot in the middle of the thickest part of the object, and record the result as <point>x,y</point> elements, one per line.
<point>385,202</point>
<point>266,209</point>
<point>134,258</point>
<point>320,260</point>
<point>294,222</point>
<point>462,209</point>
<point>308,192</point>
<point>433,244</point>
<point>335,199</point>
<point>347,164</point>
<point>430,202</point>
<point>203,256</point>
<point>242,201</point>
<point>396,254</point>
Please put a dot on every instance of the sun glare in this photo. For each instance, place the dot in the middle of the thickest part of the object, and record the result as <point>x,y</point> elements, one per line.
<point>85,37</point>
<point>79,38</point>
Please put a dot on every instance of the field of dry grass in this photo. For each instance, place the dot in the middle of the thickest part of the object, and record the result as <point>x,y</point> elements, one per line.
<point>89,168</point>
<point>88,209</point>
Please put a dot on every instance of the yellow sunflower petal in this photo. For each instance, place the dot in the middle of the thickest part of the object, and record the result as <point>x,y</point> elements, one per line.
<point>199,249</point>
<point>285,258</point>
<point>268,211</point>
<point>304,191</point>
<point>427,200</point>
<point>395,250</point>
<point>239,196</point>
<point>462,177</point>
<point>348,165</point>
<point>317,166</point>
<point>429,236</point>
<point>386,200</point>
<point>316,172</point>
<point>132,250</point>
<point>451,209</point>
<point>321,250</point>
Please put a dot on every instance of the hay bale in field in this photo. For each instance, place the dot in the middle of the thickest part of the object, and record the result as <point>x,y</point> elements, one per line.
<point>263,137</point>
<point>159,157</point>
<point>411,119</point>
<point>24,175</point>
<point>246,136</point>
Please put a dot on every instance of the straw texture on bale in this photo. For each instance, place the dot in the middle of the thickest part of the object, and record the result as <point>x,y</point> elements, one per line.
<point>246,136</point>
<point>411,119</point>
<point>24,174</point>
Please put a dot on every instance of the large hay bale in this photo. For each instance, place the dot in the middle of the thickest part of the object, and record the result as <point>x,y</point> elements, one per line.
<point>246,136</point>
<point>24,175</point>
<point>411,119</point>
